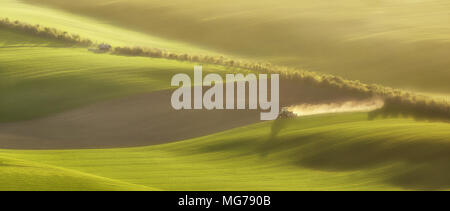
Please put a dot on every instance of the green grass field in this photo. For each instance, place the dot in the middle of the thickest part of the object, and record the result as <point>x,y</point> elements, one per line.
<point>96,30</point>
<point>402,44</point>
<point>50,77</point>
<point>332,152</point>
<point>31,176</point>
<point>40,78</point>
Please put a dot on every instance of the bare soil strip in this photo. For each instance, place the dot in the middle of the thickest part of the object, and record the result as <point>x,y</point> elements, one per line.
<point>145,119</point>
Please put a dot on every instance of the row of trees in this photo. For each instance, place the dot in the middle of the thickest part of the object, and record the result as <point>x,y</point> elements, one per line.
<point>397,102</point>
<point>420,109</point>
<point>286,72</point>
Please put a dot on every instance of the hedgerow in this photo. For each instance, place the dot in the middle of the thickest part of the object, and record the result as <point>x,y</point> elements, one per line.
<point>397,102</point>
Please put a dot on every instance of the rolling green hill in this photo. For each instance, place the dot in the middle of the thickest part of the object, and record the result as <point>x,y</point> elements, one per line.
<point>327,152</point>
<point>40,76</point>
<point>403,44</point>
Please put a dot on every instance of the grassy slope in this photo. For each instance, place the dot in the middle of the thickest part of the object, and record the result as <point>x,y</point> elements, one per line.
<point>396,43</point>
<point>332,152</point>
<point>100,31</point>
<point>39,77</point>
<point>25,175</point>
<point>337,152</point>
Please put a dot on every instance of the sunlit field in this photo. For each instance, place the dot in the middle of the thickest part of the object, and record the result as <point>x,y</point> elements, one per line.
<point>313,153</point>
<point>400,43</point>
<point>366,81</point>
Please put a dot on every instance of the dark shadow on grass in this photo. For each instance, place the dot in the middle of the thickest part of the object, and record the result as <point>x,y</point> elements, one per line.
<point>271,142</point>
<point>409,162</point>
<point>419,164</point>
<point>427,176</point>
